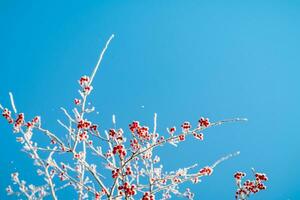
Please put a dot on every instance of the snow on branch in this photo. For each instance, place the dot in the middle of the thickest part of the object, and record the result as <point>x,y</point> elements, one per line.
<point>110,164</point>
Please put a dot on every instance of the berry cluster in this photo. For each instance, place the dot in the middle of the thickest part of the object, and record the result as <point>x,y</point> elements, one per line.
<point>115,173</point>
<point>84,82</point>
<point>133,126</point>
<point>128,171</point>
<point>94,127</point>
<point>129,190</point>
<point>172,130</point>
<point>181,137</point>
<point>19,122</point>
<point>161,139</point>
<point>186,127</point>
<point>134,143</point>
<point>119,149</point>
<point>82,124</point>
<point>239,175</point>
<point>116,134</point>
<point>206,171</point>
<point>83,136</point>
<point>249,187</point>
<point>7,115</point>
<point>148,196</point>
<point>33,122</point>
<point>77,101</point>
<point>204,122</point>
<point>176,180</point>
<point>112,133</point>
<point>78,155</point>
<point>198,136</point>
<point>261,177</point>
<point>62,176</point>
<point>141,131</point>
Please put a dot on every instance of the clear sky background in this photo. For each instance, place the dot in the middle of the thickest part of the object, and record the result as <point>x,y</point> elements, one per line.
<point>181,59</point>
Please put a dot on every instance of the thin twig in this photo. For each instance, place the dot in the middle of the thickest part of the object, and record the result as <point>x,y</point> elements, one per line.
<point>100,59</point>
<point>12,102</point>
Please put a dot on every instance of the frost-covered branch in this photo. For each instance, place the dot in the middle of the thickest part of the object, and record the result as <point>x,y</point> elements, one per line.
<point>129,169</point>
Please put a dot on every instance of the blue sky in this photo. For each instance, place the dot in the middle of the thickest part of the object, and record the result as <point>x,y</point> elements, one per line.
<point>181,59</point>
